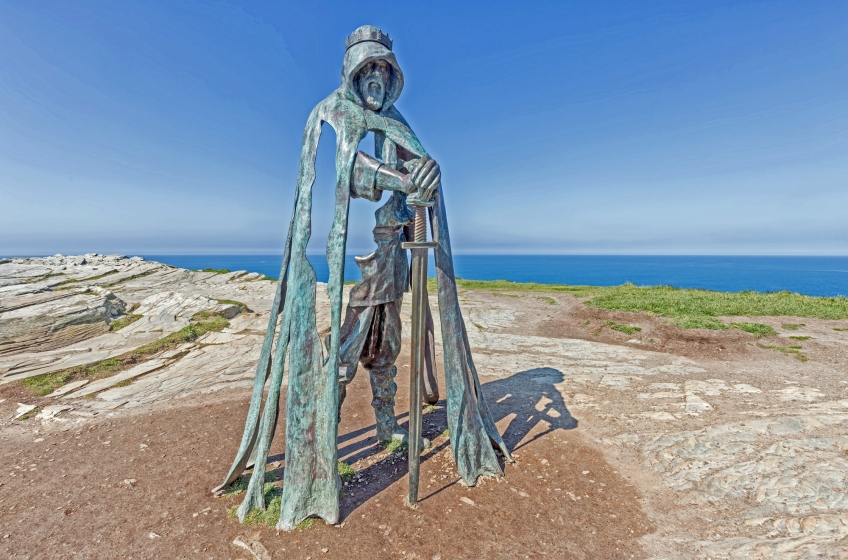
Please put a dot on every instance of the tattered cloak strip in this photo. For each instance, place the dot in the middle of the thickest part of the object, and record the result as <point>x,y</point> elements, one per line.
<point>311,482</point>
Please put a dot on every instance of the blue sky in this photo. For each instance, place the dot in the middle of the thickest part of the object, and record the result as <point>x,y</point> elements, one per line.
<point>565,127</point>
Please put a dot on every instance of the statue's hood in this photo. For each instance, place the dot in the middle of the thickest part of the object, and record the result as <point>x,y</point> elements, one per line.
<point>361,54</point>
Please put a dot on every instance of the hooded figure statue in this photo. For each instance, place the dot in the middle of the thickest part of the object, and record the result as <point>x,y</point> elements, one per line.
<point>371,83</point>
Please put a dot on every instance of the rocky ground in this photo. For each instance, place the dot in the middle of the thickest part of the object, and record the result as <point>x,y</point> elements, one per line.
<point>664,443</point>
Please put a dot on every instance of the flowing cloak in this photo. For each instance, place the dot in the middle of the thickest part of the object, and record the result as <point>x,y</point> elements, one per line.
<point>311,483</point>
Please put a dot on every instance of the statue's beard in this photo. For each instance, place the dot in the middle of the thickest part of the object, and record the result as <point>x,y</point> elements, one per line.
<point>374,94</point>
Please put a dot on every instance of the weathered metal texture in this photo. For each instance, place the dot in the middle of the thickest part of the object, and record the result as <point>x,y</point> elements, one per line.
<point>311,482</point>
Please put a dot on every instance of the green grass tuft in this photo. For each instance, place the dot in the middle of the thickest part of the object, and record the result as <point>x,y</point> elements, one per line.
<point>800,337</point>
<point>124,321</point>
<point>700,322</point>
<point>838,329</point>
<point>394,446</point>
<point>547,299</point>
<point>346,471</point>
<point>627,329</point>
<point>306,524</point>
<point>759,330</point>
<point>216,270</point>
<point>793,350</point>
<point>793,326</point>
<point>242,307</point>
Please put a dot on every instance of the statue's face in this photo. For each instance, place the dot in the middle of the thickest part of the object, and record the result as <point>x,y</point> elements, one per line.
<point>372,81</point>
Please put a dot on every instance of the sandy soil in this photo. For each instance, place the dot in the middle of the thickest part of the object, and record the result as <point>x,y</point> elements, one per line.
<point>137,485</point>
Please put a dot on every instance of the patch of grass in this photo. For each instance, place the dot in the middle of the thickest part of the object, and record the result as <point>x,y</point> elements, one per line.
<point>800,337</point>
<point>688,307</point>
<point>257,516</point>
<point>30,414</point>
<point>586,323</point>
<point>216,270</point>
<point>242,307</point>
<point>268,278</point>
<point>306,523</point>
<point>547,299</point>
<point>128,278</point>
<point>394,446</point>
<point>124,321</point>
<point>5,261</point>
<point>792,326</point>
<point>71,281</point>
<point>123,383</point>
<point>759,330</point>
<point>41,385</point>
<point>346,471</point>
<point>673,302</point>
<point>579,291</point>
<point>238,485</point>
<point>42,278</point>
<point>793,350</point>
<point>446,433</point>
<point>505,295</point>
<point>838,329</point>
<point>65,282</point>
<point>700,322</point>
<point>628,329</point>
<point>188,333</point>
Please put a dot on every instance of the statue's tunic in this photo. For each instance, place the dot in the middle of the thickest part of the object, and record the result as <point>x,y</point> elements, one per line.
<point>385,272</point>
<point>371,333</point>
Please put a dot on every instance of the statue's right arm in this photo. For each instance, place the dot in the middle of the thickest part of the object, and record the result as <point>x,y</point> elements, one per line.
<point>371,177</point>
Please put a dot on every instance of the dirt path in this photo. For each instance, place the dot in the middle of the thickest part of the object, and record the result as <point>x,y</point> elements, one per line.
<point>136,485</point>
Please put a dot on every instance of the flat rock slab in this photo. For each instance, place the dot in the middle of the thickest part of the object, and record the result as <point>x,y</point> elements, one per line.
<point>65,389</point>
<point>132,373</point>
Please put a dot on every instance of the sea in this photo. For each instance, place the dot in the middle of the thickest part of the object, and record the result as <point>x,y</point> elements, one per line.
<point>815,276</point>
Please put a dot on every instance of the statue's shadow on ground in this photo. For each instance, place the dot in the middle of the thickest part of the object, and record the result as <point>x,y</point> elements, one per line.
<point>529,398</point>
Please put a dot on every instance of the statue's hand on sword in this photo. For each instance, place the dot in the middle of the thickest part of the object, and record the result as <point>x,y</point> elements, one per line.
<point>424,178</point>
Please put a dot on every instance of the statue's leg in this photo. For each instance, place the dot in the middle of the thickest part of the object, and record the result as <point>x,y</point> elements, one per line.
<point>378,357</point>
<point>354,332</point>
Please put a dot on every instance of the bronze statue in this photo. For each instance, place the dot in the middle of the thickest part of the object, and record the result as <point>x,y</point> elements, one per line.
<point>319,371</point>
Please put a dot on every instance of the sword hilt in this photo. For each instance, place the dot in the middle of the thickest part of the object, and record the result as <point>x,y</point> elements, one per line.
<point>420,224</point>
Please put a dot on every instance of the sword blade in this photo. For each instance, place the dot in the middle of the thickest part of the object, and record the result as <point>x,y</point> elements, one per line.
<point>416,371</point>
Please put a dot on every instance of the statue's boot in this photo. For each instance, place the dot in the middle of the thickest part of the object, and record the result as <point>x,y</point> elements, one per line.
<point>383,389</point>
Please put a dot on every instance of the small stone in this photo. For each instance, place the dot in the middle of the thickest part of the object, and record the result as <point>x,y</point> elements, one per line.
<point>468,501</point>
<point>585,472</point>
<point>325,550</point>
<point>130,481</point>
<point>153,535</point>
<point>23,409</point>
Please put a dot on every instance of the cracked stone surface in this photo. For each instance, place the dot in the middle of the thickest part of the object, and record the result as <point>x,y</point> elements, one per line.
<point>741,456</point>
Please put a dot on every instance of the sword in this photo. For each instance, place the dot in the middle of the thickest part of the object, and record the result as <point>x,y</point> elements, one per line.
<point>419,249</point>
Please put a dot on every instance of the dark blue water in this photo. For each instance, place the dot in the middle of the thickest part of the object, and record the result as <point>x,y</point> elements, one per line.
<point>816,276</point>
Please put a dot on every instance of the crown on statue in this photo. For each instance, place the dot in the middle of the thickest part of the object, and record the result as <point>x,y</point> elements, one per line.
<point>368,33</point>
